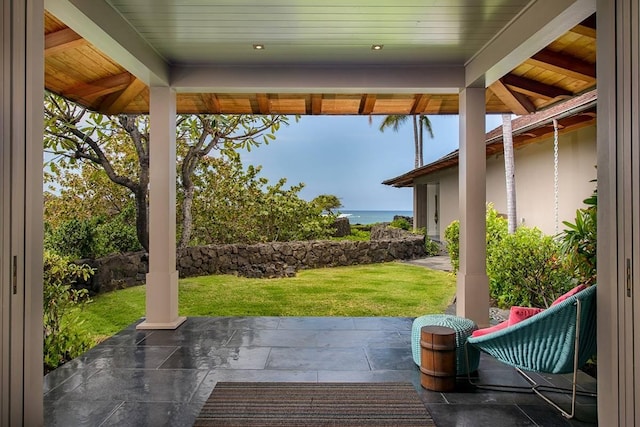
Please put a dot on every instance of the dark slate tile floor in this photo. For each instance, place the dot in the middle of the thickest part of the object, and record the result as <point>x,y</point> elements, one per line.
<point>162,378</point>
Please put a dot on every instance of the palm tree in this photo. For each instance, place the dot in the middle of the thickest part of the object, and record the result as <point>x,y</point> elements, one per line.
<point>420,123</point>
<point>509,171</point>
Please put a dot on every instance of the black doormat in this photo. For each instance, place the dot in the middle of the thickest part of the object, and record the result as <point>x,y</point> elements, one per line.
<point>314,404</point>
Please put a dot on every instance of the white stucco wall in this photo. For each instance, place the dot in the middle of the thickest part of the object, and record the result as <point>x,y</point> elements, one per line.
<point>534,181</point>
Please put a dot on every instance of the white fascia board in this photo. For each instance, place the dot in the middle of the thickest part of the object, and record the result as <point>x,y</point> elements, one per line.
<point>103,27</point>
<point>320,79</point>
<point>539,24</point>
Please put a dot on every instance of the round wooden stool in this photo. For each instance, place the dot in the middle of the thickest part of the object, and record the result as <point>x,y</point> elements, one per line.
<point>438,358</point>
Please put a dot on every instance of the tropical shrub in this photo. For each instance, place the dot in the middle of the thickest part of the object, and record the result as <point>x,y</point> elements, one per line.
<point>526,269</point>
<point>401,223</point>
<point>75,238</point>
<point>232,204</point>
<point>496,231</point>
<point>118,234</point>
<point>431,248</point>
<point>579,242</point>
<point>95,237</point>
<point>452,239</point>
<point>64,337</point>
<point>356,235</point>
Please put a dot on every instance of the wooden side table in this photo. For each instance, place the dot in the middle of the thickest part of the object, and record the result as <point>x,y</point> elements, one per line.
<point>438,358</point>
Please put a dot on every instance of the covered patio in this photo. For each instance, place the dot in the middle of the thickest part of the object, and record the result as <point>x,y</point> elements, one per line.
<point>163,377</point>
<point>291,57</point>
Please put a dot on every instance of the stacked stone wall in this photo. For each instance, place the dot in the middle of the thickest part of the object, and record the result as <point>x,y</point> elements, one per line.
<point>276,259</point>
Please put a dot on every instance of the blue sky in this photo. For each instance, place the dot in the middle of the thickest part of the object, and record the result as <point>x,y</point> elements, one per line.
<point>348,157</point>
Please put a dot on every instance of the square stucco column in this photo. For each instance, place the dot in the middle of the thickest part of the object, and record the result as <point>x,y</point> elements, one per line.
<point>162,279</point>
<point>472,299</point>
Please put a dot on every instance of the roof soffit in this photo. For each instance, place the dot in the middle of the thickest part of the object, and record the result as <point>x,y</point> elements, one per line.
<point>93,70</point>
<point>103,27</point>
<point>536,27</point>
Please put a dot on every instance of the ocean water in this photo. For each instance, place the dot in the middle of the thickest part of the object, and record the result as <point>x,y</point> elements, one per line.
<point>372,217</point>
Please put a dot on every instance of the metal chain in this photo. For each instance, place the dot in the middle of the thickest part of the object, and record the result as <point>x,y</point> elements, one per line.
<point>555,173</point>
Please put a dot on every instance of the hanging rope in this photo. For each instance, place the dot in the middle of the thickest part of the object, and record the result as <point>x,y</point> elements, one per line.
<point>555,173</point>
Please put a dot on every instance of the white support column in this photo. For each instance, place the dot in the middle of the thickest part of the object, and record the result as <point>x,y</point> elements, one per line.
<point>472,299</point>
<point>420,205</point>
<point>162,279</point>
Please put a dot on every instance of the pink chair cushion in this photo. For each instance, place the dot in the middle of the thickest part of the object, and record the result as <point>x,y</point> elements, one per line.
<point>485,331</point>
<point>516,314</point>
<point>571,293</point>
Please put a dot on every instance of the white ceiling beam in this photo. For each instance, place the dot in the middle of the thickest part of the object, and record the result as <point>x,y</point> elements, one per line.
<point>537,26</point>
<point>320,79</point>
<point>103,27</point>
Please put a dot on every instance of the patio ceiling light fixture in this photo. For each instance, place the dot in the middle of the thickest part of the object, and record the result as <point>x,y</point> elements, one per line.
<point>258,46</point>
<point>377,47</point>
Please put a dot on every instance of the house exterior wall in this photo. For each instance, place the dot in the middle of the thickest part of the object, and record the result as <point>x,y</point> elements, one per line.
<point>534,181</point>
<point>447,197</point>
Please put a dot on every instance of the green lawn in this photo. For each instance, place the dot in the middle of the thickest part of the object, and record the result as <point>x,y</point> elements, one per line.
<point>389,289</point>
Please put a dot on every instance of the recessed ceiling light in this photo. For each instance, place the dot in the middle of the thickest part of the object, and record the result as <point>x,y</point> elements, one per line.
<point>258,46</point>
<point>377,47</point>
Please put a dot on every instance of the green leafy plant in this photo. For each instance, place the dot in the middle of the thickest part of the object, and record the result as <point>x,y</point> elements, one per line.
<point>356,235</point>
<point>579,242</point>
<point>94,237</point>
<point>118,234</point>
<point>64,336</point>
<point>232,204</point>
<point>75,238</point>
<point>452,239</point>
<point>526,268</point>
<point>327,203</point>
<point>401,223</point>
<point>496,231</point>
<point>432,248</point>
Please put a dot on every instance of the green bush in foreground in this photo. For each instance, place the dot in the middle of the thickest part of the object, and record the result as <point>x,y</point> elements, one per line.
<point>579,242</point>
<point>64,337</point>
<point>526,269</point>
<point>452,239</point>
<point>496,231</point>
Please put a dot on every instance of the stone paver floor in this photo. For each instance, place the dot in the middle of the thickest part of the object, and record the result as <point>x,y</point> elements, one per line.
<point>162,378</point>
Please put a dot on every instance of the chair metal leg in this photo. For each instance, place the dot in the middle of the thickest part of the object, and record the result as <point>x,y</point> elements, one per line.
<point>538,388</point>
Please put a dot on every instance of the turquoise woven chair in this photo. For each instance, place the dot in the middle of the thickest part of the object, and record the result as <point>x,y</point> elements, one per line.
<point>559,340</point>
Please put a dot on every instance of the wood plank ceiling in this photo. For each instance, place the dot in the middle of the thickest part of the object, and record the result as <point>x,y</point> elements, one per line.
<point>77,70</point>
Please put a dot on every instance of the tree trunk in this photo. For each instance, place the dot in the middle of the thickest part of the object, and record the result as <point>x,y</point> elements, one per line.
<point>510,172</point>
<point>191,160</point>
<point>420,142</point>
<point>187,217</point>
<point>416,141</point>
<point>142,217</point>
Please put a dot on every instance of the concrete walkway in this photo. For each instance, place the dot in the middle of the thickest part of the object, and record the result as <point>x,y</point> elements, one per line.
<point>439,262</point>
